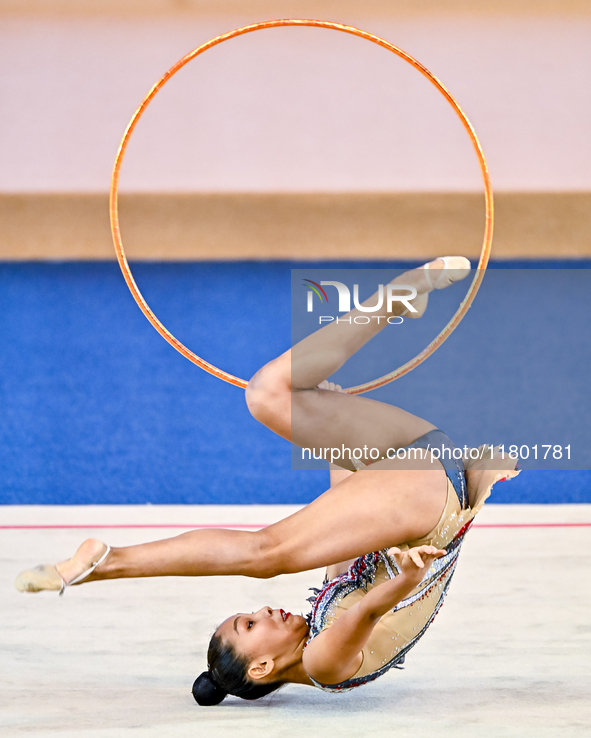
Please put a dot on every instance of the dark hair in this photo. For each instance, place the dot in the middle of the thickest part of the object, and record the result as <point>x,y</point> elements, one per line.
<point>227,674</point>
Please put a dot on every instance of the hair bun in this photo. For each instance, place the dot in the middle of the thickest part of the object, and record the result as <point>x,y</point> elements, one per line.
<point>206,692</point>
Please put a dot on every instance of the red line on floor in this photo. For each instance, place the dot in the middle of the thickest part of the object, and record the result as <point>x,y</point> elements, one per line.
<point>189,526</point>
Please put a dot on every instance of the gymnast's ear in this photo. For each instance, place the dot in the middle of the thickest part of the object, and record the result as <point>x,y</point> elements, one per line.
<point>261,668</point>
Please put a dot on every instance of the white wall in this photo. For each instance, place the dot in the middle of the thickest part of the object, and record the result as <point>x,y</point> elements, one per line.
<point>294,109</point>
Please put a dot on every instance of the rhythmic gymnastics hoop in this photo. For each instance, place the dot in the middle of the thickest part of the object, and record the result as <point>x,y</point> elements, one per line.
<point>489,216</point>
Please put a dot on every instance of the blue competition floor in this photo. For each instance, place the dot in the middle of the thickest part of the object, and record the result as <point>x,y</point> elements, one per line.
<point>96,408</point>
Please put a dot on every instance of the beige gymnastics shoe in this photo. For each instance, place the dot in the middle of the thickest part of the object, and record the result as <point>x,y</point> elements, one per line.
<point>39,578</point>
<point>56,578</point>
<point>455,268</point>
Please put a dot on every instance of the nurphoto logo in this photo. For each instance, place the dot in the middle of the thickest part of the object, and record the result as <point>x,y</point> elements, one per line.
<point>402,293</point>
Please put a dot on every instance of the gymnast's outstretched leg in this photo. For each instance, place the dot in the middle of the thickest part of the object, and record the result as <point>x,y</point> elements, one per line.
<point>394,501</point>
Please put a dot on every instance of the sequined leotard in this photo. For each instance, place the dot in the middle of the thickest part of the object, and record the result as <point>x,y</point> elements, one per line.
<point>401,628</point>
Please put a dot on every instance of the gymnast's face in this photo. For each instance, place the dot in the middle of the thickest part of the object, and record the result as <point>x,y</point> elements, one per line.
<point>267,634</point>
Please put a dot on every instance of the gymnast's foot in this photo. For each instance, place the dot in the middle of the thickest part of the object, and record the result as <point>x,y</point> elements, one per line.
<point>446,270</point>
<point>435,275</point>
<point>73,571</point>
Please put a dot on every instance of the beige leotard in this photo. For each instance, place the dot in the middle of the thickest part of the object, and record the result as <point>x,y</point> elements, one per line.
<point>399,629</point>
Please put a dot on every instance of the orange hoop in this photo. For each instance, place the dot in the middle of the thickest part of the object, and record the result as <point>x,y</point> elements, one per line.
<point>488,230</point>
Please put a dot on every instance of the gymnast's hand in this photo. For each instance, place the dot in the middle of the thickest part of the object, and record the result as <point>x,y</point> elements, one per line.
<point>415,562</point>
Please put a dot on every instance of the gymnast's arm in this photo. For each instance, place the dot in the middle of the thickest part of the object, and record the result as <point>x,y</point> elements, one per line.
<point>335,654</point>
<point>337,475</point>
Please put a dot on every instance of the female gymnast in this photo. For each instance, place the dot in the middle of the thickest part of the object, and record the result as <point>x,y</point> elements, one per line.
<point>411,510</point>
